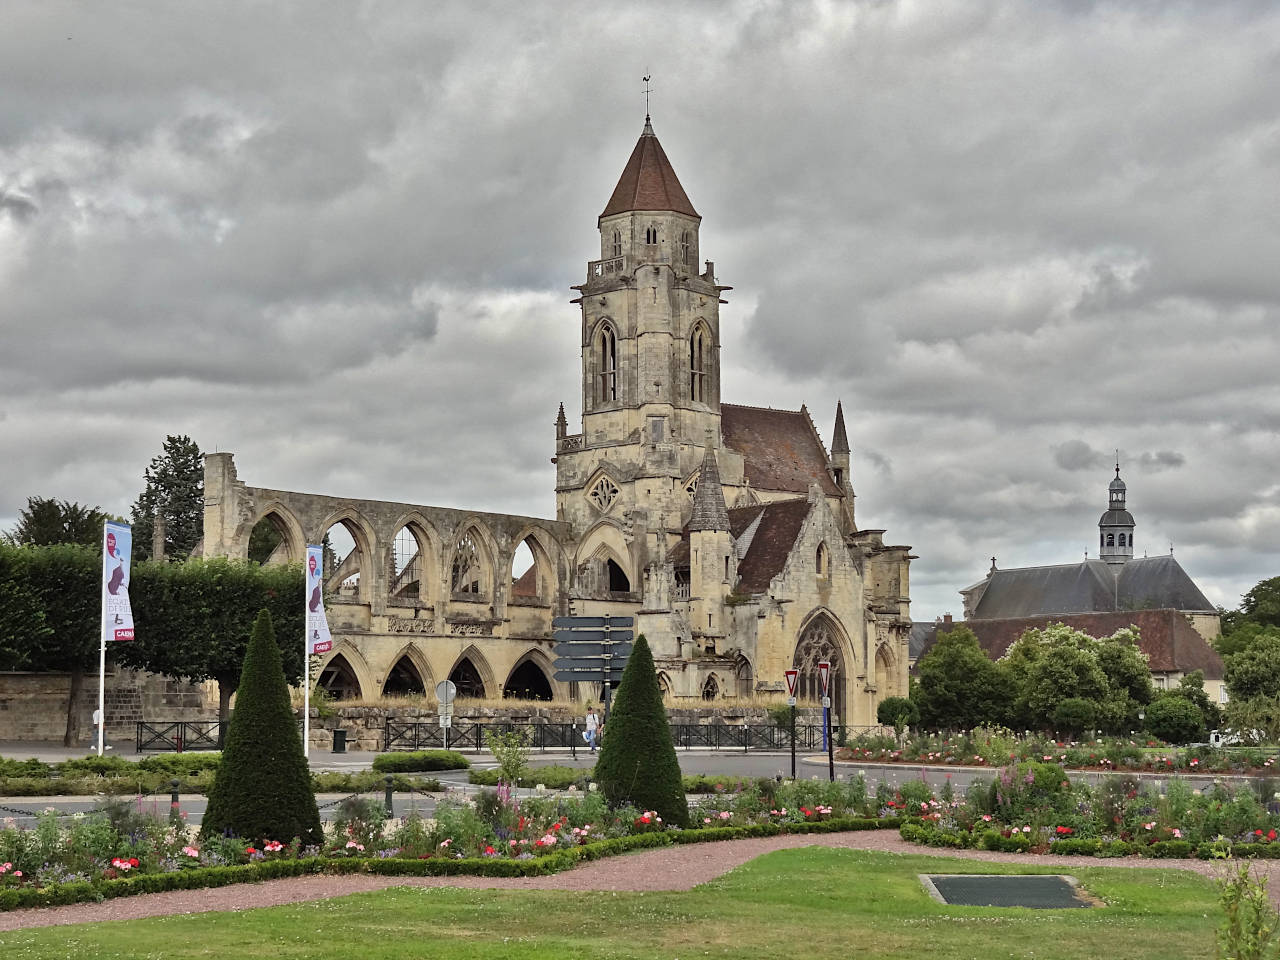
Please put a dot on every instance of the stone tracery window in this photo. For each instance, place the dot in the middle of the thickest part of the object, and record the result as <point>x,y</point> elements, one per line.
<point>603,492</point>
<point>651,233</point>
<point>685,248</point>
<point>467,575</point>
<point>819,642</point>
<point>711,689</point>
<point>617,244</point>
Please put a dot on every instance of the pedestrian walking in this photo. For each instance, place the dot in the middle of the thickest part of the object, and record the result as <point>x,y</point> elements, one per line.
<point>593,728</point>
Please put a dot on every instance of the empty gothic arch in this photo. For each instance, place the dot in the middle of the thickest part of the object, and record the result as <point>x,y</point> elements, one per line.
<point>355,567</point>
<point>538,582</point>
<point>664,684</point>
<point>276,536</point>
<point>885,672</point>
<point>701,362</point>
<point>409,674</point>
<point>529,679</point>
<point>604,359</point>
<point>472,675</point>
<point>744,676</point>
<point>411,561</point>
<point>711,687</point>
<point>603,562</point>
<point>345,674</point>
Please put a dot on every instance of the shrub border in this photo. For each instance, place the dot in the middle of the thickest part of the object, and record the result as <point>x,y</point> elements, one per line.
<point>84,891</point>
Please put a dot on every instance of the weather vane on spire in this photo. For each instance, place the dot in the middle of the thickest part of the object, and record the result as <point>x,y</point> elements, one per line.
<point>646,78</point>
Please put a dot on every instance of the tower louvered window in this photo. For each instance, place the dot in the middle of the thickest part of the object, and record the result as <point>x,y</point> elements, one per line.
<point>606,365</point>
<point>617,244</point>
<point>699,362</point>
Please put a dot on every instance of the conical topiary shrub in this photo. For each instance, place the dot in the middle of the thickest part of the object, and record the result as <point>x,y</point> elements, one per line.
<point>637,758</point>
<point>263,787</point>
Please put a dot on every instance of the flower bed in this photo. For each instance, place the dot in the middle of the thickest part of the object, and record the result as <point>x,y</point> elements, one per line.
<point>1033,807</point>
<point>996,747</point>
<point>119,850</point>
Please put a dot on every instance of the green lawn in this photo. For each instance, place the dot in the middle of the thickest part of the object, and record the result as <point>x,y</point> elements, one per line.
<point>811,903</point>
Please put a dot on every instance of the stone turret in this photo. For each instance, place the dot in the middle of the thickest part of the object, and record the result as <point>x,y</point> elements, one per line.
<point>712,566</point>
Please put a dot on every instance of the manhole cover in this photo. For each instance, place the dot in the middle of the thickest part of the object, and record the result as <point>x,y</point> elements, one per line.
<point>987,890</point>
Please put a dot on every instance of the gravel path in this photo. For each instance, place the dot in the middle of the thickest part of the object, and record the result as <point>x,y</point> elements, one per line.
<point>665,868</point>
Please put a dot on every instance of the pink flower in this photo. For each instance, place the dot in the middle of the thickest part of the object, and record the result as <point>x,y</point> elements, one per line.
<point>725,815</point>
<point>704,819</point>
<point>1026,829</point>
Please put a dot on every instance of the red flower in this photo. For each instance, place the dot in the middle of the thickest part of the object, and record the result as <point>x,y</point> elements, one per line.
<point>489,850</point>
<point>1257,833</point>
<point>250,850</point>
<point>133,861</point>
<point>1271,834</point>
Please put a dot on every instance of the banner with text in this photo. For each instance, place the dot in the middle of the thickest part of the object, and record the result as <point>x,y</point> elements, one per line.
<point>318,638</point>
<point>117,615</point>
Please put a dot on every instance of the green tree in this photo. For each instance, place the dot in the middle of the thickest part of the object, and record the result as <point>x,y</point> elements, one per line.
<point>897,712</point>
<point>193,619</point>
<point>1073,716</point>
<point>959,686</point>
<point>1255,671</point>
<point>47,521</point>
<point>1262,604</point>
<point>1243,636</point>
<point>67,578</point>
<point>638,762</point>
<point>262,790</point>
<point>174,489</point>
<point>1175,719</point>
<point>1191,689</point>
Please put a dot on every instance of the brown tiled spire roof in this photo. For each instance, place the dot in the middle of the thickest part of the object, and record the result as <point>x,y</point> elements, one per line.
<point>780,448</point>
<point>708,502</point>
<point>839,442</point>
<point>648,182</point>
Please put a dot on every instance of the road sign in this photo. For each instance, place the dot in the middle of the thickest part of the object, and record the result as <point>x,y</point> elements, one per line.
<point>446,690</point>
<point>446,722</point>
<point>584,636</point>
<point>444,709</point>
<point>613,665</point>
<point>593,649</point>
<point>586,676</point>
<point>792,676</point>
<point>824,674</point>
<point>582,623</point>
<point>791,701</point>
<point>826,701</point>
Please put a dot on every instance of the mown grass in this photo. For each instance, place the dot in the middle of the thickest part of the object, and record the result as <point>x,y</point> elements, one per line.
<point>809,903</point>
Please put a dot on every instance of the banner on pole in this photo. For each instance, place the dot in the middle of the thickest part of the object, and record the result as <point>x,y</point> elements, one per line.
<point>319,640</point>
<point>117,549</point>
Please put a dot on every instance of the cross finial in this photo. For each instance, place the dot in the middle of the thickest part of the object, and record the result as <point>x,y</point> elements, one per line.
<point>646,78</point>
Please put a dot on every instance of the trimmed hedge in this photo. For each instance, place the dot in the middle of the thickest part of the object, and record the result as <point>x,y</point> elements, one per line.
<point>553,777</point>
<point>420,761</point>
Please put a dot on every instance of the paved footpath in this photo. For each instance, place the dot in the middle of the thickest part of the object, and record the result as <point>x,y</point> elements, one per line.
<point>673,868</point>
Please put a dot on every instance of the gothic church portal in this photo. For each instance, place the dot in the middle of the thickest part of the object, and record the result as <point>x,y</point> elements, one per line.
<point>727,531</point>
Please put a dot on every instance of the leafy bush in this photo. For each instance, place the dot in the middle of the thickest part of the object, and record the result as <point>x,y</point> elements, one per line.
<point>1075,715</point>
<point>511,749</point>
<point>421,760</point>
<point>553,777</point>
<point>898,712</point>
<point>181,764</point>
<point>1175,719</point>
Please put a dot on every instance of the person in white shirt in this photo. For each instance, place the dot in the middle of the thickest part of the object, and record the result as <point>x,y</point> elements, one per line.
<point>593,728</point>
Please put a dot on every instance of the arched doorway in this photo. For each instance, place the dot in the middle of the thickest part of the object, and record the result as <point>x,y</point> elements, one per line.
<point>467,679</point>
<point>819,641</point>
<point>527,682</point>
<point>711,688</point>
<point>404,680</point>
<point>338,679</point>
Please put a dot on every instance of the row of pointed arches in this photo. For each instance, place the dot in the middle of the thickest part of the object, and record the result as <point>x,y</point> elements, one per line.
<point>418,563</point>
<point>346,675</point>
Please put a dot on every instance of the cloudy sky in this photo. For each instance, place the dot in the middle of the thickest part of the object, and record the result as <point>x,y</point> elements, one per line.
<point>338,240</point>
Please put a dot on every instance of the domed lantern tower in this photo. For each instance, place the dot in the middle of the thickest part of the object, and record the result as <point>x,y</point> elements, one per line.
<point>1115,529</point>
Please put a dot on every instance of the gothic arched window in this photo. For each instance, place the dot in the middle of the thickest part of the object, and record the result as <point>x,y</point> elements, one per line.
<point>651,233</point>
<point>820,560</point>
<point>467,573</point>
<point>686,249</point>
<point>617,244</point>
<point>606,365</point>
<point>699,362</point>
<point>819,642</point>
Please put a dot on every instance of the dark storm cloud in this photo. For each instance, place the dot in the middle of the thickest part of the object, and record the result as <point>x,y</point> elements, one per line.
<point>1012,238</point>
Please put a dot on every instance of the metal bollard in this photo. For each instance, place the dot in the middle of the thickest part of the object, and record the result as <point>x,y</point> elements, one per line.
<point>389,780</point>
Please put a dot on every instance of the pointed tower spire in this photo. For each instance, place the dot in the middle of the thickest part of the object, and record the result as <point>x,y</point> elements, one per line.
<point>839,442</point>
<point>709,512</point>
<point>648,181</point>
<point>562,424</point>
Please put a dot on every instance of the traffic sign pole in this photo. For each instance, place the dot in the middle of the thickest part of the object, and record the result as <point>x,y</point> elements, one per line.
<point>824,672</point>
<point>792,676</point>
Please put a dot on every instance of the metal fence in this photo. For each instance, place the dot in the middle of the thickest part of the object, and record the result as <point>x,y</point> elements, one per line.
<point>181,735</point>
<point>470,734</point>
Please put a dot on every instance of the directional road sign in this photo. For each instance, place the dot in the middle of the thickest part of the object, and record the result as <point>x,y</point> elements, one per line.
<point>583,623</point>
<point>589,663</point>
<point>594,636</point>
<point>586,676</point>
<point>592,649</point>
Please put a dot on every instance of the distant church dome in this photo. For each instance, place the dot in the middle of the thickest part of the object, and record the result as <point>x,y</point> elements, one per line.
<point>1115,528</point>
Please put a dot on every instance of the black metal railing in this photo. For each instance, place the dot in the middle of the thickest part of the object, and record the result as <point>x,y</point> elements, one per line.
<point>180,735</point>
<point>469,735</point>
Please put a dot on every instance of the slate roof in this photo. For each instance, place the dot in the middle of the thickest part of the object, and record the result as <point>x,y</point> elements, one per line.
<point>771,544</point>
<point>1167,637</point>
<point>648,181</point>
<point>1088,587</point>
<point>781,448</point>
